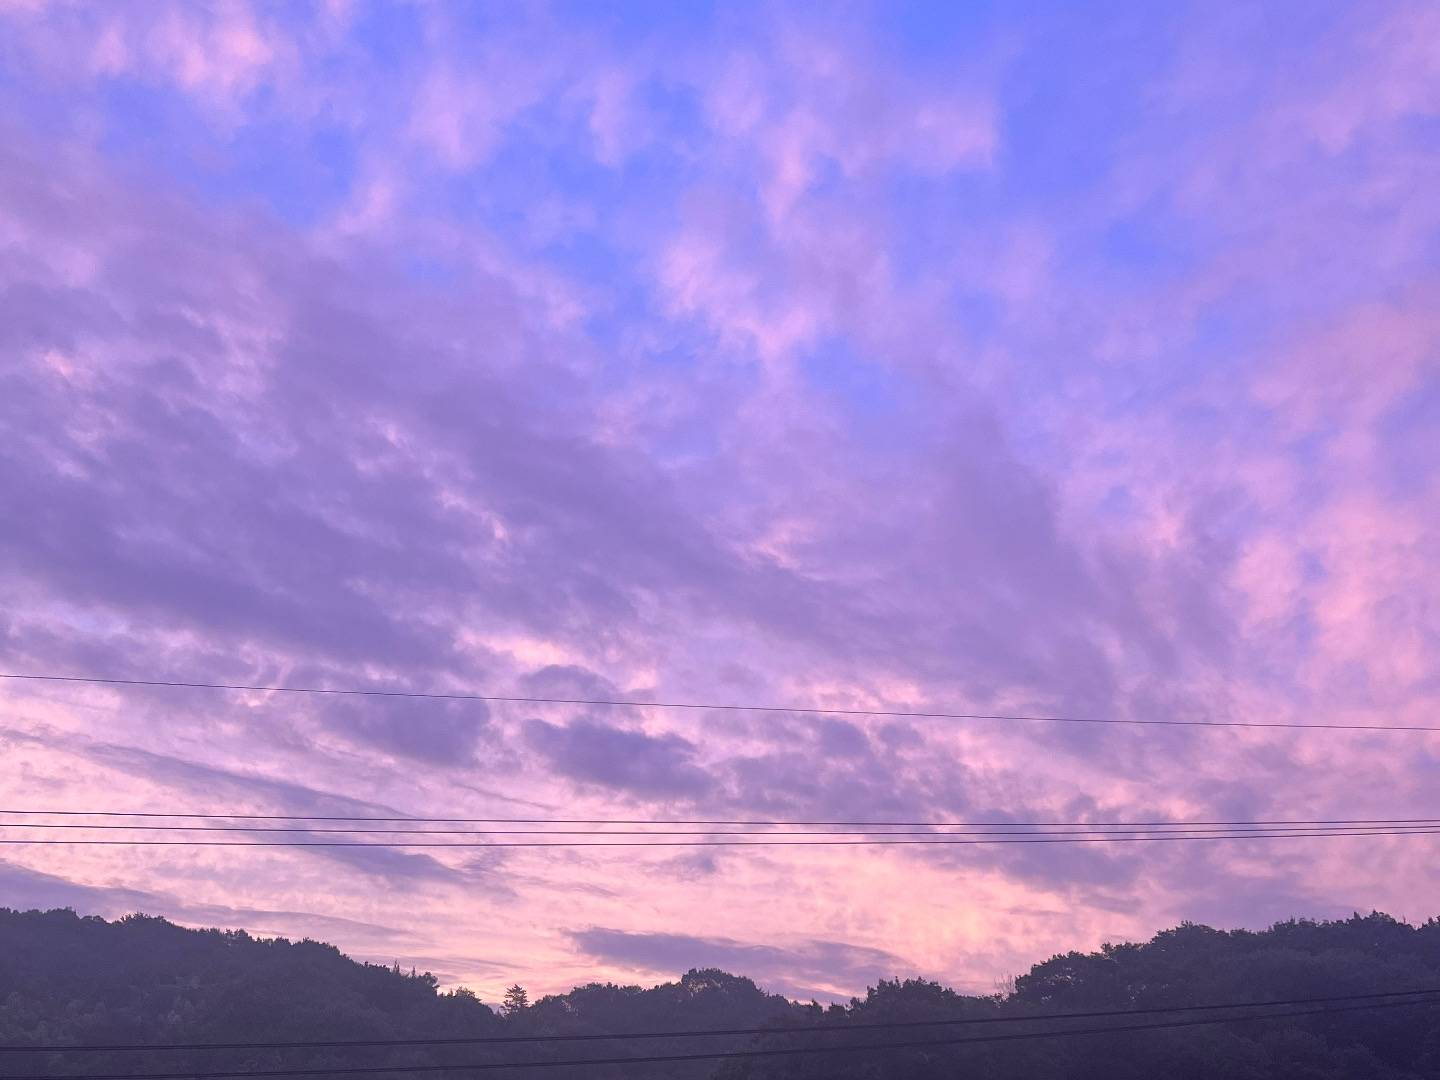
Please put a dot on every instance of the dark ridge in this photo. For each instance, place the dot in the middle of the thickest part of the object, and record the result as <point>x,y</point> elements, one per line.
<point>72,980</point>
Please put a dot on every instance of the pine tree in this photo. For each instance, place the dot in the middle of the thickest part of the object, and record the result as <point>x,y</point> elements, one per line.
<point>516,1000</point>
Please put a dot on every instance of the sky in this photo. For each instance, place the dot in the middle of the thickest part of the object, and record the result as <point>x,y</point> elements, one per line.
<point>1044,358</point>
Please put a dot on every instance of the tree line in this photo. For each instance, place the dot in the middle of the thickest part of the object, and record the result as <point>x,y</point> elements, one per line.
<point>72,980</point>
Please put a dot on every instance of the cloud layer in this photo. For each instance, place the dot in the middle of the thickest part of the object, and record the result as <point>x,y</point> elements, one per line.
<point>1082,365</point>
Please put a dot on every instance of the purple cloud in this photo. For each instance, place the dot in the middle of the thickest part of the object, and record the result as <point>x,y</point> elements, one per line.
<point>631,761</point>
<point>739,359</point>
<point>435,733</point>
<point>810,970</point>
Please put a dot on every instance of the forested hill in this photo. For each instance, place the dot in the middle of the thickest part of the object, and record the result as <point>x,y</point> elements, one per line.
<point>71,980</point>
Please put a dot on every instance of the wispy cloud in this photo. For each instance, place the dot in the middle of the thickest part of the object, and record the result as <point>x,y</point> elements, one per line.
<point>1082,365</point>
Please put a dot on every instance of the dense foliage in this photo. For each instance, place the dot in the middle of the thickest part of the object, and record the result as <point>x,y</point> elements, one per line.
<point>66,979</point>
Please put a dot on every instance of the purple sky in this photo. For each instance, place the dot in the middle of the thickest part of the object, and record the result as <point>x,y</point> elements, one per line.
<point>1013,357</point>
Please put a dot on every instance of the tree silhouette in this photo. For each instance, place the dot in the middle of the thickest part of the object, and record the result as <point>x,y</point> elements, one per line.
<point>71,980</point>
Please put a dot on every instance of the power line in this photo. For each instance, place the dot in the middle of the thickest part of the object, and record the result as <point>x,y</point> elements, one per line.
<point>1345,822</point>
<point>1078,832</point>
<point>777,1051</point>
<point>476,1040</point>
<point>789,838</point>
<point>874,841</point>
<point>906,714</point>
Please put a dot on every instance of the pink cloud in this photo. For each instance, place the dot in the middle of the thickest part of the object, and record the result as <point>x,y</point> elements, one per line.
<point>235,448</point>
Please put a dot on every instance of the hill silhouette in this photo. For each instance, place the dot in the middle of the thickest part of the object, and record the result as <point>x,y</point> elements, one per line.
<point>67,979</point>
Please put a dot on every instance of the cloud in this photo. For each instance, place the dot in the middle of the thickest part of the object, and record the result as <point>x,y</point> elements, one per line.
<point>823,970</point>
<point>400,868</point>
<point>436,733</point>
<point>631,761</point>
<point>735,359</point>
<point>570,681</point>
<point>24,888</point>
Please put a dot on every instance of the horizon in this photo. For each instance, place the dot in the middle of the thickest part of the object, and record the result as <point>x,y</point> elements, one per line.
<point>564,423</point>
<point>998,990</point>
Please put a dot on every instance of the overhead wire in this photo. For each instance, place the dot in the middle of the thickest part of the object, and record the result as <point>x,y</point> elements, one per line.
<point>910,714</point>
<point>1179,828</point>
<point>774,1051</point>
<point>418,819</point>
<point>863,840</point>
<point>254,830</point>
<point>1423,993</point>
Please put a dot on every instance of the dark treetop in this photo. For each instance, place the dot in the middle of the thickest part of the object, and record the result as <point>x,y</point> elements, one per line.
<point>69,980</point>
